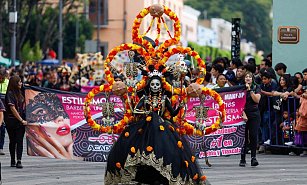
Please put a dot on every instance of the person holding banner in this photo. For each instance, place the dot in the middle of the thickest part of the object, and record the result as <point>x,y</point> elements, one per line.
<point>48,131</point>
<point>15,119</point>
<point>253,119</point>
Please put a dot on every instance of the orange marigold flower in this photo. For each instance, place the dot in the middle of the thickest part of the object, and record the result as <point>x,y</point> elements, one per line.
<point>186,163</point>
<point>195,176</point>
<point>132,149</point>
<point>203,178</point>
<point>148,118</point>
<point>126,134</point>
<point>149,149</point>
<point>161,127</point>
<point>193,159</point>
<point>179,144</point>
<point>118,165</point>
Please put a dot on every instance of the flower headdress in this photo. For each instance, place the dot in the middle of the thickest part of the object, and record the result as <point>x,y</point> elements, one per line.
<point>155,59</point>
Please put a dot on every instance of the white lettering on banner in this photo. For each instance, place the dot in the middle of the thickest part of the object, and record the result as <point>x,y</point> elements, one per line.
<point>99,148</point>
<point>104,139</point>
<point>226,130</point>
<point>232,111</point>
<point>77,113</point>
<point>228,118</point>
<point>197,99</point>
<point>227,105</point>
<point>231,151</point>
<point>73,100</point>
<point>210,153</point>
<point>233,96</point>
<point>74,107</point>
<point>105,157</point>
<point>80,101</point>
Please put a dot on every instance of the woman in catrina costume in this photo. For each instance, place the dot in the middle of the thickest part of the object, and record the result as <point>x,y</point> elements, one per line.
<point>151,148</point>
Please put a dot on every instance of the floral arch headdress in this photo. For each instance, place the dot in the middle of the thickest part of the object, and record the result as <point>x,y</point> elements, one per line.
<point>154,58</point>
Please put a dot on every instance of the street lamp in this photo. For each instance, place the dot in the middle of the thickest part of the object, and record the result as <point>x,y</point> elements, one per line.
<point>13,20</point>
<point>98,25</point>
<point>60,47</point>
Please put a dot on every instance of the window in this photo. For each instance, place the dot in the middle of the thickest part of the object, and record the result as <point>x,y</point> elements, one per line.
<point>93,11</point>
<point>104,49</point>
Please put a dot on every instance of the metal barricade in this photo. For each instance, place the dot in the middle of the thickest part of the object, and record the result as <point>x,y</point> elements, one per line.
<point>276,133</point>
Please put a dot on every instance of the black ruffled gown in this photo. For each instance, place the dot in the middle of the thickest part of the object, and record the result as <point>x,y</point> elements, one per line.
<point>152,152</point>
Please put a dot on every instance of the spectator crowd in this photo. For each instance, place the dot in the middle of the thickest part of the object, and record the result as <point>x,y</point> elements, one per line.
<point>282,104</point>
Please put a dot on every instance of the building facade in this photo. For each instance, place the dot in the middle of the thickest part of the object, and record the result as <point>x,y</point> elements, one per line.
<point>116,20</point>
<point>189,23</point>
<point>223,30</point>
<point>207,37</point>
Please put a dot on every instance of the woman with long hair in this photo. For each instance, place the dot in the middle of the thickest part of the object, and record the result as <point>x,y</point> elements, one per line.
<point>14,119</point>
<point>253,119</point>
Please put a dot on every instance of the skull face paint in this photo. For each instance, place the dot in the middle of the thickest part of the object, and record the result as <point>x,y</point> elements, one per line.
<point>155,85</point>
<point>183,68</point>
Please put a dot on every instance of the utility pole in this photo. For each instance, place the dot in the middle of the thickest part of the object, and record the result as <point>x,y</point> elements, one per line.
<point>77,33</point>
<point>98,25</point>
<point>60,49</point>
<point>13,20</point>
<point>124,22</point>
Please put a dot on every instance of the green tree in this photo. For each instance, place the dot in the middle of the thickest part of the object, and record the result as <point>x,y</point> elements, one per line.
<point>255,17</point>
<point>38,23</point>
<point>26,52</point>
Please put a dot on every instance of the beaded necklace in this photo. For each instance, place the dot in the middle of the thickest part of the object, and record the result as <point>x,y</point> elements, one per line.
<point>155,102</point>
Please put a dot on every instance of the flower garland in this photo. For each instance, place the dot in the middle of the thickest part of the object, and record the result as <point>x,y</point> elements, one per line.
<point>189,51</point>
<point>117,128</point>
<point>137,38</point>
<point>114,51</point>
<point>187,129</point>
<point>221,109</point>
<point>177,31</point>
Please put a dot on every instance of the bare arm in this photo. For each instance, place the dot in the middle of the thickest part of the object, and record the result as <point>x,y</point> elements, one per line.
<point>138,107</point>
<point>1,118</point>
<point>266,93</point>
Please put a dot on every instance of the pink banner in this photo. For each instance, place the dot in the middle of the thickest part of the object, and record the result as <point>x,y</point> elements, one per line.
<point>57,127</point>
<point>230,139</point>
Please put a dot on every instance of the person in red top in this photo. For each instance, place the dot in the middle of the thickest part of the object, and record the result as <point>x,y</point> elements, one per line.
<point>52,54</point>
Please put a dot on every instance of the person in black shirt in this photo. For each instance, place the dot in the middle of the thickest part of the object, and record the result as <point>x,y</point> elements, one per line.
<point>253,119</point>
<point>268,86</point>
<point>14,119</point>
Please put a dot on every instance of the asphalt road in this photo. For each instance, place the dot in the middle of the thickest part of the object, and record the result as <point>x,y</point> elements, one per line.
<point>273,170</point>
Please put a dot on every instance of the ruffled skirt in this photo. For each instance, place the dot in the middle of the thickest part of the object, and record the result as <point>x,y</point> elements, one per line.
<point>152,152</point>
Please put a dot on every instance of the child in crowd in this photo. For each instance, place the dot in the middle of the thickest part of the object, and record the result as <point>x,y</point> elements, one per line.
<point>287,128</point>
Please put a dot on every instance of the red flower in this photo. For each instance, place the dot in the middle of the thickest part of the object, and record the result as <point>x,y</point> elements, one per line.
<point>130,89</point>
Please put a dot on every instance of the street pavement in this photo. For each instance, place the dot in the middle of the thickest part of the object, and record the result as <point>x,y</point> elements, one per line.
<point>273,170</point>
